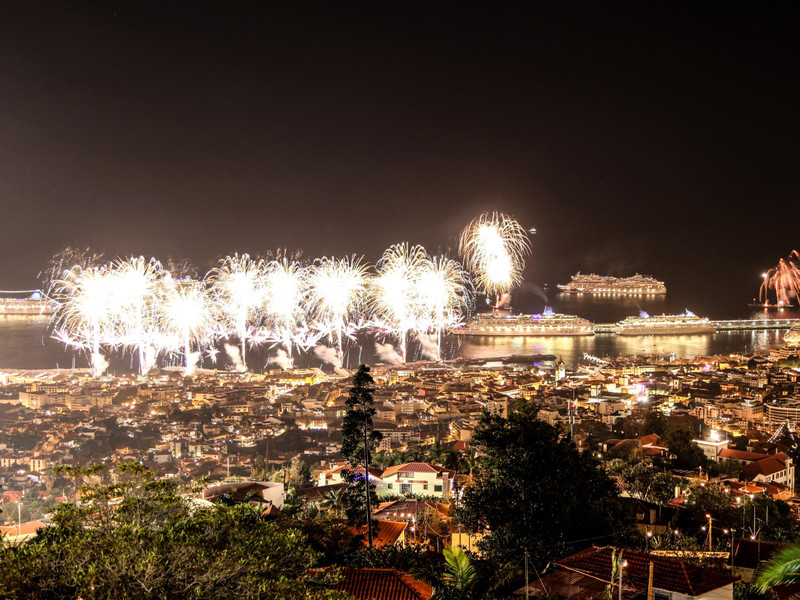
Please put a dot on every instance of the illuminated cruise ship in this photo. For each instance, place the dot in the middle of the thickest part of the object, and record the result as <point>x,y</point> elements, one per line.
<point>792,337</point>
<point>685,324</point>
<point>605,284</point>
<point>546,324</point>
<point>35,305</point>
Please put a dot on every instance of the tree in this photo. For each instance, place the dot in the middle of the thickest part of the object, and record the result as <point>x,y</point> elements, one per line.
<point>299,473</point>
<point>782,569</point>
<point>688,454</point>
<point>358,440</point>
<point>536,491</point>
<point>655,422</point>
<point>648,483</point>
<point>142,540</point>
<point>711,500</point>
<point>335,502</point>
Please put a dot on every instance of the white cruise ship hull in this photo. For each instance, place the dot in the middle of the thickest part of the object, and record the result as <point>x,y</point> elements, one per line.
<point>710,328</point>
<point>520,333</point>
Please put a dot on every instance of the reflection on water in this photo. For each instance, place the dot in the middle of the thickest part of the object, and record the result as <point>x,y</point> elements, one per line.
<point>606,344</point>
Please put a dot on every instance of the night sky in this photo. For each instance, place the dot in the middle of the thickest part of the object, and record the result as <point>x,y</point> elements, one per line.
<point>663,142</point>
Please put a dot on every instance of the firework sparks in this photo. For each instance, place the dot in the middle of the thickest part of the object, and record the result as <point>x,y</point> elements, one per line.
<point>783,280</point>
<point>396,291</point>
<point>445,292</point>
<point>84,317</point>
<point>286,288</point>
<point>337,289</point>
<point>238,289</point>
<point>494,247</point>
<point>136,284</point>
<point>185,320</point>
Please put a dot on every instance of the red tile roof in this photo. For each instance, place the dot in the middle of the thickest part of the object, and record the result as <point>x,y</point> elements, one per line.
<point>385,533</point>
<point>417,467</point>
<point>381,584</point>
<point>765,466</point>
<point>668,574</point>
<point>741,455</point>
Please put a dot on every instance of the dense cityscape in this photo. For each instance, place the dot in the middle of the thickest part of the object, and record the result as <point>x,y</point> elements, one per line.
<point>398,303</point>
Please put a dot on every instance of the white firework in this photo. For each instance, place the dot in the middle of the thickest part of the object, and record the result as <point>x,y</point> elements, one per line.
<point>494,247</point>
<point>337,294</point>
<point>396,296</point>
<point>238,288</point>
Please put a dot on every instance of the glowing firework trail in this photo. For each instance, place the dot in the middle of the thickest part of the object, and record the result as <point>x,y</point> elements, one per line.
<point>185,319</point>
<point>494,247</point>
<point>238,289</point>
<point>784,280</point>
<point>137,284</point>
<point>286,293</point>
<point>396,290</point>
<point>84,318</point>
<point>445,295</point>
<point>337,297</point>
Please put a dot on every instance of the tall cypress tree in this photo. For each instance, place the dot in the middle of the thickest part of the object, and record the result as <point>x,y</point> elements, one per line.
<point>358,440</point>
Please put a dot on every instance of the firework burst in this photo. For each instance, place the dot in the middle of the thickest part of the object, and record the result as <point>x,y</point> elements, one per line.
<point>238,288</point>
<point>337,293</point>
<point>286,285</point>
<point>783,280</point>
<point>137,286</point>
<point>185,320</point>
<point>85,307</point>
<point>396,291</point>
<point>494,247</point>
<point>445,295</point>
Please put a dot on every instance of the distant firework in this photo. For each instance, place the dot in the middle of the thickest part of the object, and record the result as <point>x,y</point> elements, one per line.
<point>286,287</point>
<point>783,281</point>
<point>136,305</point>
<point>396,291</point>
<point>87,304</point>
<point>185,320</point>
<point>337,297</point>
<point>494,247</point>
<point>238,286</point>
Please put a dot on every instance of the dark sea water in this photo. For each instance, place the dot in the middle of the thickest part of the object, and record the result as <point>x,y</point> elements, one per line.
<point>25,342</point>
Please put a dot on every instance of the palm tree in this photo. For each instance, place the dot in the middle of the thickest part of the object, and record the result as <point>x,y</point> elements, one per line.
<point>382,460</point>
<point>782,569</point>
<point>335,502</point>
<point>457,579</point>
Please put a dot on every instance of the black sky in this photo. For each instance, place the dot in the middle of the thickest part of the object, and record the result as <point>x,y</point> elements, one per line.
<point>633,139</point>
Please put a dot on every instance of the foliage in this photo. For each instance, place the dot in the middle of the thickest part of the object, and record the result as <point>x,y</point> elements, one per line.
<point>744,591</point>
<point>688,455</point>
<point>729,468</point>
<point>711,500</point>
<point>537,492</point>
<point>655,422</point>
<point>782,569</point>
<point>299,473</point>
<point>646,482</point>
<point>358,418</point>
<point>358,440</point>
<point>405,558</point>
<point>143,540</point>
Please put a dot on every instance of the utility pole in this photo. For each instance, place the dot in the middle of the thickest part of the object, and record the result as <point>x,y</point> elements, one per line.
<point>526,574</point>
<point>650,583</point>
<point>710,522</point>
<point>572,417</point>
<point>19,518</point>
